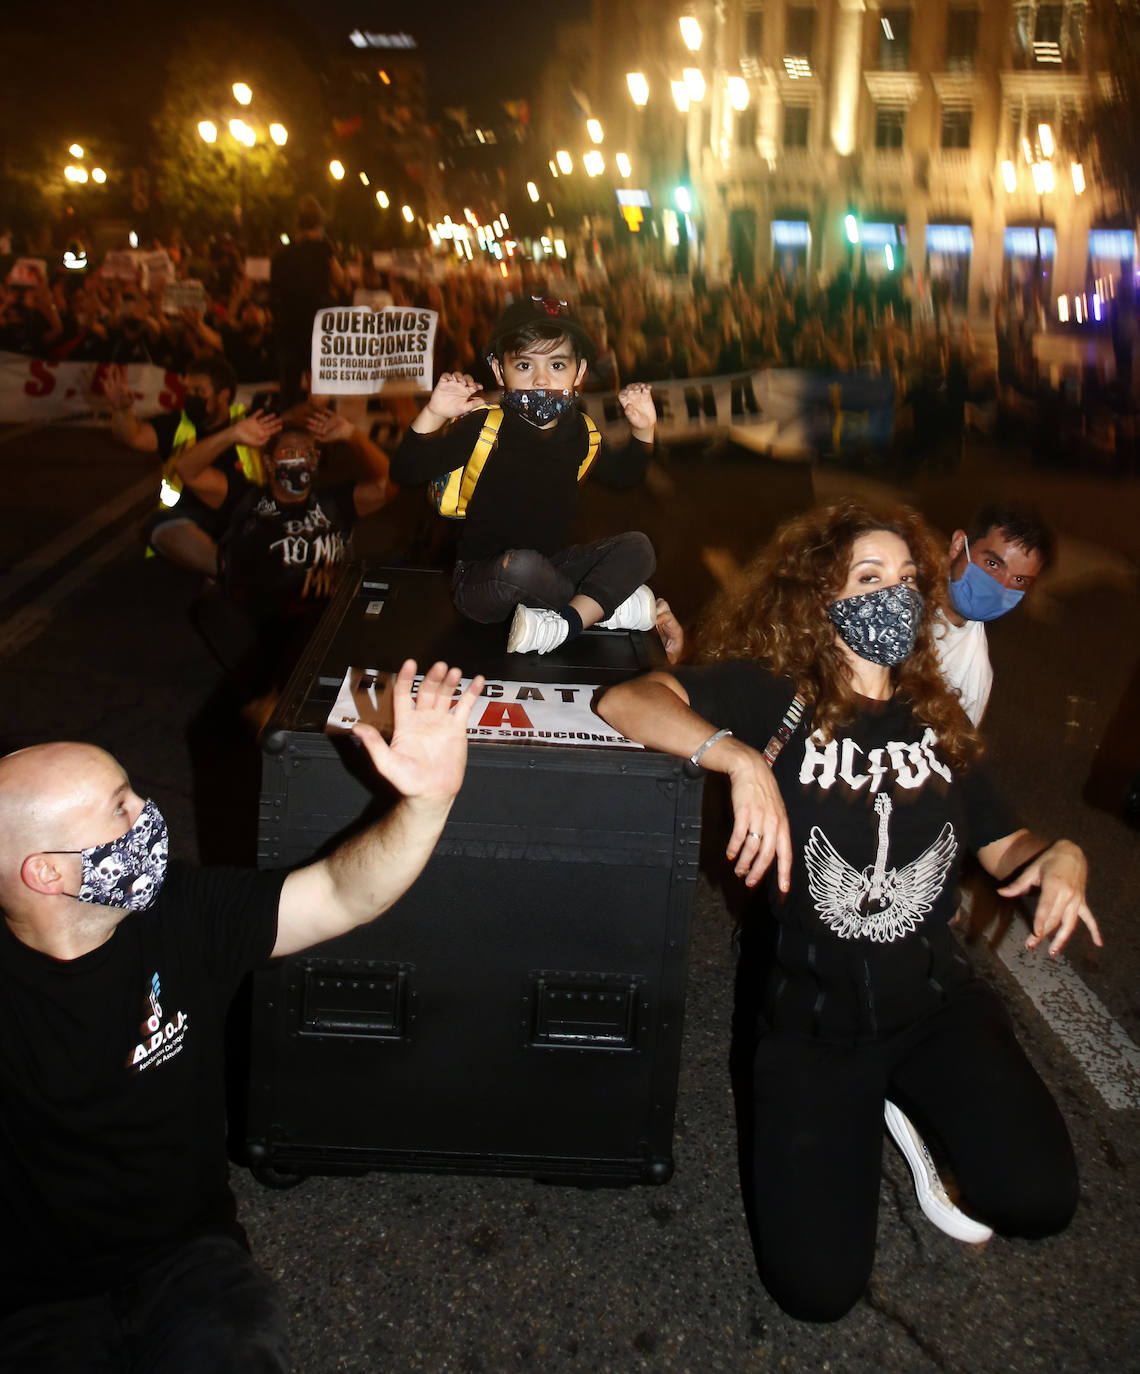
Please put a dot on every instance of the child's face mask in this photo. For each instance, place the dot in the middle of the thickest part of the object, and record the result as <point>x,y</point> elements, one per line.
<point>538,405</point>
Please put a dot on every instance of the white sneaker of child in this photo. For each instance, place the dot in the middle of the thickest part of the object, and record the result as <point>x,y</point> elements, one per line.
<point>535,631</point>
<point>637,612</point>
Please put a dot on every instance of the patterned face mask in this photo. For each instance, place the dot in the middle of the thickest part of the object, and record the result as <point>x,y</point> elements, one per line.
<point>879,626</point>
<point>537,405</point>
<point>127,872</point>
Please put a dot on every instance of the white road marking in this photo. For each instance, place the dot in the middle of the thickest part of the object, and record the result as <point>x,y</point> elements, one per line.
<point>20,629</point>
<point>1110,1060</point>
<point>47,557</point>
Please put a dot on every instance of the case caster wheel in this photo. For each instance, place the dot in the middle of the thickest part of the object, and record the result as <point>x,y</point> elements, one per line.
<point>269,1177</point>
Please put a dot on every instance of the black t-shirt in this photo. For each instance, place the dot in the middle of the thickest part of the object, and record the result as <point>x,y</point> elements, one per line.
<point>527,493</point>
<point>283,559</point>
<point>861,944</point>
<point>112,1097</point>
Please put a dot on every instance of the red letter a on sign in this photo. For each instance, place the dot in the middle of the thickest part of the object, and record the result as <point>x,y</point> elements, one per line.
<point>510,711</point>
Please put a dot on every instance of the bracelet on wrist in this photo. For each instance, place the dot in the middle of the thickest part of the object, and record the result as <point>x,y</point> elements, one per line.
<point>695,756</point>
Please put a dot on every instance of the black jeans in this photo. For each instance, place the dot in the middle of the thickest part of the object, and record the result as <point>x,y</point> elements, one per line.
<point>609,570</point>
<point>964,1081</point>
<point>205,1309</point>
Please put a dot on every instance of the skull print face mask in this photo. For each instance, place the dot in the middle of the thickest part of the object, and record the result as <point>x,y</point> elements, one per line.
<point>127,872</point>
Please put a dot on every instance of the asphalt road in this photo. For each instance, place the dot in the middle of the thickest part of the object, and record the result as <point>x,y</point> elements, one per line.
<point>407,1271</point>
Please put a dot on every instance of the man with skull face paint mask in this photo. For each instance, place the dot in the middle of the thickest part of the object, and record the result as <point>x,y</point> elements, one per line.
<point>123,1249</point>
<point>514,559</point>
<point>285,543</point>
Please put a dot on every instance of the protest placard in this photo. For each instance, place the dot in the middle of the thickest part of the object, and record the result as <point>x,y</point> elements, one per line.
<point>184,295</point>
<point>258,269</point>
<point>122,264</point>
<point>27,272</point>
<point>519,712</point>
<point>356,350</point>
<point>157,270</point>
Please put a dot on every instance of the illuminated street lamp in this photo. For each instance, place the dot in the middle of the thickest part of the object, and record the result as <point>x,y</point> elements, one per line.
<point>207,131</point>
<point>680,96</point>
<point>336,170</point>
<point>565,162</point>
<point>738,93</point>
<point>408,213</point>
<point>623,164</point>
<point>691,32</point>
<point>242,132</point>
<point>594,129</point>
<point>76,174</point>
<point>75,150</point>
<point>1078,173</point>
<point>242,94</point>
<point>382,199</point>
<point>532,191</point>
<point>694,83</point>
<point>638,87</point>
<point>1009,176</point>
<point>98,175</point>
<point>364,178</point>
<point>594,163</point>
<point>279,134</point>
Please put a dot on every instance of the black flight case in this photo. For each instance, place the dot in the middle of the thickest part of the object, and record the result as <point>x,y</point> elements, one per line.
<point>519,1010</point>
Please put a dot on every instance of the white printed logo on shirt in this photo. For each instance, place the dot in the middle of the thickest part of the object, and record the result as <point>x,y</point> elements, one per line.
<point>161,1040</point>
<point>876,903</point>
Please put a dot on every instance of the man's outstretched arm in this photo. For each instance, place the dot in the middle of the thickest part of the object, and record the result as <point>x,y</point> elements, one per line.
<point>425,763</point>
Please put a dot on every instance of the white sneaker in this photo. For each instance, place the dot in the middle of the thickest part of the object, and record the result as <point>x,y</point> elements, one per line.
<point>535,631</point>
<point>932,1196</point>
<point>637,612</point>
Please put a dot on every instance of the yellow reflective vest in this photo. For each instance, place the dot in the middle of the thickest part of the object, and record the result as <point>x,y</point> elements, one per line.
<point>186,435</point>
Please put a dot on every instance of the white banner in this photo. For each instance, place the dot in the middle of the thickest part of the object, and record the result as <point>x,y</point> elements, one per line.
<point>356,350</point>
<point>516,712</point>
<point>33,390</point>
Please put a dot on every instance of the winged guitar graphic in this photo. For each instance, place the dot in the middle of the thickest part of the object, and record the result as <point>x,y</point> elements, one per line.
<point>876,903</point>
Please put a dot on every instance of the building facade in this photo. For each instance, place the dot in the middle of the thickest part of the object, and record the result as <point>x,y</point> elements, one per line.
<point>938,136</point>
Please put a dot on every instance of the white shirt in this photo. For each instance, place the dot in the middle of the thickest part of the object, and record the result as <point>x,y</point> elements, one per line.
<point>964,656</point>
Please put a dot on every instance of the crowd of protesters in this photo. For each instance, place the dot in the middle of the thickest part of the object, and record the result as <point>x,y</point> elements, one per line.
<point>650,326</point>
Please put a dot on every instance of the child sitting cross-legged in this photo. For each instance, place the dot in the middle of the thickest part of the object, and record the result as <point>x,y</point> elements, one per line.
<point>514,559</point>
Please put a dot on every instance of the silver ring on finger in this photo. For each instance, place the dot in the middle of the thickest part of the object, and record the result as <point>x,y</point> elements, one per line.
<point>753,834</point>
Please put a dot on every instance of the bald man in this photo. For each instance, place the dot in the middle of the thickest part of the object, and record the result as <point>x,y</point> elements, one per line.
<point>122,1246</point>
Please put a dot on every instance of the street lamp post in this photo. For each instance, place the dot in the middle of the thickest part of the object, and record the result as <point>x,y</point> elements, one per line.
<point>245,137</point>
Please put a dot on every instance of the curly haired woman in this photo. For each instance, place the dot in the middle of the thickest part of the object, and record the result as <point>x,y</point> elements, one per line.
<point>870,794</point>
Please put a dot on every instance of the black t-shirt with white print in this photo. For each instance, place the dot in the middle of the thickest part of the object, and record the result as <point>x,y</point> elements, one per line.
<point>880,823</point>
<point>112,1097</point>
<point>282,559</point>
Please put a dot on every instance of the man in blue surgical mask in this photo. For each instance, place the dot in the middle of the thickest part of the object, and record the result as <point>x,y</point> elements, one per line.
<point>991,567</point>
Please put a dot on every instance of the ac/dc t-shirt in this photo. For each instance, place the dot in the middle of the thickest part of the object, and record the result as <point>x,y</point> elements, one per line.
<point>880,823</point>
<point>112,1097</point>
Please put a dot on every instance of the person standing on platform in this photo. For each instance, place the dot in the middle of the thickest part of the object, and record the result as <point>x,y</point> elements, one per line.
<point>514,557</point>
<point>304,276</point>
<point>853,769</point>
<point>116,971</point>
